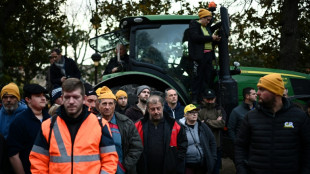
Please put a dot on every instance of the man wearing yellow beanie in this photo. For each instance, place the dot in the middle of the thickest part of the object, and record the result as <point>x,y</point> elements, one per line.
<point>125,135</point>
<point>11,107</point>
<point>121,101</point>
<point>201,51</point>
<point>276,133</point>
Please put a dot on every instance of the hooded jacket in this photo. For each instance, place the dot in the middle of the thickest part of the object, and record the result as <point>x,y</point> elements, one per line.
<point>275,143</point>
<point>6,119</point>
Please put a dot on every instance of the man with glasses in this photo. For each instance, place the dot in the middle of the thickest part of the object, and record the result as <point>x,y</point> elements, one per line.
<point>201,51</point>
<point>201,149</point>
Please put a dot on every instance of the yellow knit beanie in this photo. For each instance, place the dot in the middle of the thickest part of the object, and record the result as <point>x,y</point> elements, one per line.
<point>120,93</point>
<point>272,82</point>
<point>11,89</point>
<point>105,92</point>
<point>203,13</point>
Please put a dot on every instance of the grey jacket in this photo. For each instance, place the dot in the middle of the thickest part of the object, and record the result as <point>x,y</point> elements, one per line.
<point>207,143</point>
<point>131,142</point>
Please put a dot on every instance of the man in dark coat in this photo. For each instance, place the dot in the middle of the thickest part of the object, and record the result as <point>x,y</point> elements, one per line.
<point>137,111</point>
<point>274,138</point>
<point>25,127</point>
<point>238,113</point>
<point>172,106</point>
<point>201,52</point>
<point>118,64</point>
<point>125,135</point>
<point>164,141</point>
<point>62,68</point>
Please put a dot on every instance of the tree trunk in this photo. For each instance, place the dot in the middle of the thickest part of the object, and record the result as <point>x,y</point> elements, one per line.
<point>289,42</point>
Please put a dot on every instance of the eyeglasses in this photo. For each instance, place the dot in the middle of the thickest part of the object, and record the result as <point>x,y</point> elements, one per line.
<point>192,112</point>
<point>54,57</point>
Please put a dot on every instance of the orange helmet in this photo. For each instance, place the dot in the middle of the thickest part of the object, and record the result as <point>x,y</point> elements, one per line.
<point>212,4</point>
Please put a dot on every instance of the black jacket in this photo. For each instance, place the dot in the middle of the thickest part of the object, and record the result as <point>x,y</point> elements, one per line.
<point>122,66</point>
<point>207,142</point>
<point>174,157</point>
<point>134,113</point>
<point>197,40</point>
<point>131,142</point>
<point>70,68</point>
<point>274,143</point>
<point>236,118</point>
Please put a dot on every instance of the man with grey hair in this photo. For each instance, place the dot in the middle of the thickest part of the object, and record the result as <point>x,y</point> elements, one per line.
<point>137,111</point>
<point>172,105</point>
<point>164,140</point>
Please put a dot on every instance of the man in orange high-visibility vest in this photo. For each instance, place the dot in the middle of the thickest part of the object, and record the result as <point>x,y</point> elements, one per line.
<point>75,141</point>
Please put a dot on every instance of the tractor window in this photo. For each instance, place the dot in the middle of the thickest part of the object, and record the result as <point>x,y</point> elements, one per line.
<point>166,47</point>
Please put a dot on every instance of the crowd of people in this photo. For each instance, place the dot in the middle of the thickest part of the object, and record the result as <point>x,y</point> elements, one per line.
<point>96,131</point>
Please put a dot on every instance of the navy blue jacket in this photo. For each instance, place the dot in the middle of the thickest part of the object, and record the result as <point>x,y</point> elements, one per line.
<point>22,133</point>
<point>236,118</point>
<point>178,111</point>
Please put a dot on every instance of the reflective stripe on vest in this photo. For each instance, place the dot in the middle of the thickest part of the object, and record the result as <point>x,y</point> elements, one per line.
<point>64,157</point>
<point>40,150</point>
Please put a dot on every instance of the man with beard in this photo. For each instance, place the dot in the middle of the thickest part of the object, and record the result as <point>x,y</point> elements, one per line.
<point>74,141</point>
<point>238,113</point>
<point>164,141</point>
<point>137,111</point>
<point>10,107</point>
<point>172,106</point>
<point>125,135</point>
<point>25,127</point>
<point>121,102</point>
<point>214,116</point>
<point>274,137</point>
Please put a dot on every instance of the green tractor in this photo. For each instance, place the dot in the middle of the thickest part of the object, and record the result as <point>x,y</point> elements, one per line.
<point>158,57</point>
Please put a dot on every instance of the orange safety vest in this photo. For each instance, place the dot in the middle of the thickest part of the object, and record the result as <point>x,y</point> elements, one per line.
<point>84,156</point>
<point>174,133</point>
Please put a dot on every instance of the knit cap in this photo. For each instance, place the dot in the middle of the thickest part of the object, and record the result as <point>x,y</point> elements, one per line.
<point>203,13</point>
<point>11,89</point>
<point>56,93</point>
<point>120,93</point>
<point>141,88</point>
<point>105,92</point>
<point>89,89</point>
<point>273,83</point>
